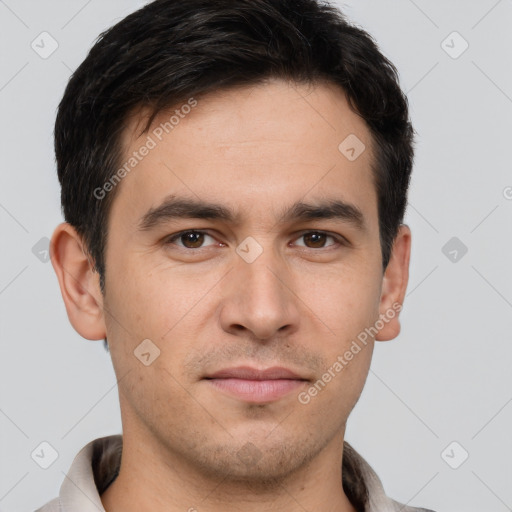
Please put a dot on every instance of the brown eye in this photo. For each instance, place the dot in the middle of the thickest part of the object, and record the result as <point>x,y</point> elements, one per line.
<point>318,240</point>
<point>188,239</point>
<point>315,239</point>
<point>192,240</point>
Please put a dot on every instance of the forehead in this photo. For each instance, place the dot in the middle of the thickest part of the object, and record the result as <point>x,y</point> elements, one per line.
<point>259,147</point>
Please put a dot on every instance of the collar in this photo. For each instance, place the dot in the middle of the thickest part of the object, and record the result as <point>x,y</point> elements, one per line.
<point>97,464</point>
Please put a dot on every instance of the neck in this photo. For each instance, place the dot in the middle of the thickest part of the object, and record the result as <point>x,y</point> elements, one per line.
<point>152,478</point>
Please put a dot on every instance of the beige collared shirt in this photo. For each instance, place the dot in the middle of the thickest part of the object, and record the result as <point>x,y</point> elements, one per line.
<point>97,464</point>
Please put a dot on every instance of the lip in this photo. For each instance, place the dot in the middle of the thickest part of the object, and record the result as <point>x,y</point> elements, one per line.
<point>256,386</point>
<point>249,373</point>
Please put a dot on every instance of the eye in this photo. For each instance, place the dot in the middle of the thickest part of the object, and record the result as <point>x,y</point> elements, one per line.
<point>195,239</point>
<point>191,239</point>
<point>317,240</point>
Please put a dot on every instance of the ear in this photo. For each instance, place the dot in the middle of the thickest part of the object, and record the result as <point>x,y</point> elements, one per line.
<point>78,281</point>
<point>394,284</point>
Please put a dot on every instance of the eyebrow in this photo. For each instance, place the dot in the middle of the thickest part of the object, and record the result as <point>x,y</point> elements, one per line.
<point>174,207</point>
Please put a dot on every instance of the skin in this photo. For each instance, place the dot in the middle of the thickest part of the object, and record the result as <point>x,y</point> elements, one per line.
<point>300,304</point>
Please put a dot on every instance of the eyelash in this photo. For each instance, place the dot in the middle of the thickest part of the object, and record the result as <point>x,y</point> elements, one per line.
<point>339,240</point>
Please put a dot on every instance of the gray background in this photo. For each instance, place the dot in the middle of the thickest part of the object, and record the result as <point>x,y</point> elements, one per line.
<point>445,378</point>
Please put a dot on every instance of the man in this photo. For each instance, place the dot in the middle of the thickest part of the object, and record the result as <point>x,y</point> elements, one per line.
<point>234,177</point>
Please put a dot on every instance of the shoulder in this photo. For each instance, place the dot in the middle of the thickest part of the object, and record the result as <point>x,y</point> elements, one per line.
<point>404,508</point>
<point>51,506</point>
<point>377,499</point>
<point>399,507</point>
<point>92,469</point>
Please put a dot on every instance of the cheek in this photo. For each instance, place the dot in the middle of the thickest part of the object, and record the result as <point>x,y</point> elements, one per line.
<point>167,304</point>
<point>150,298</point>
<point>345,302</point>
<point>338,387</point>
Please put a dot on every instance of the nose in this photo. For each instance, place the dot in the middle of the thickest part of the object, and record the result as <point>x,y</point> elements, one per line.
<point>259,299</point>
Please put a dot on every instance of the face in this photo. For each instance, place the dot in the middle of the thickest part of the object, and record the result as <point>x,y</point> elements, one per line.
<point>256,280</point>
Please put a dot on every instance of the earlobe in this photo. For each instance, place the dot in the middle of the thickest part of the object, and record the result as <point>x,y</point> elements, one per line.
<point>394,285</point>
<point>79,283</point>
